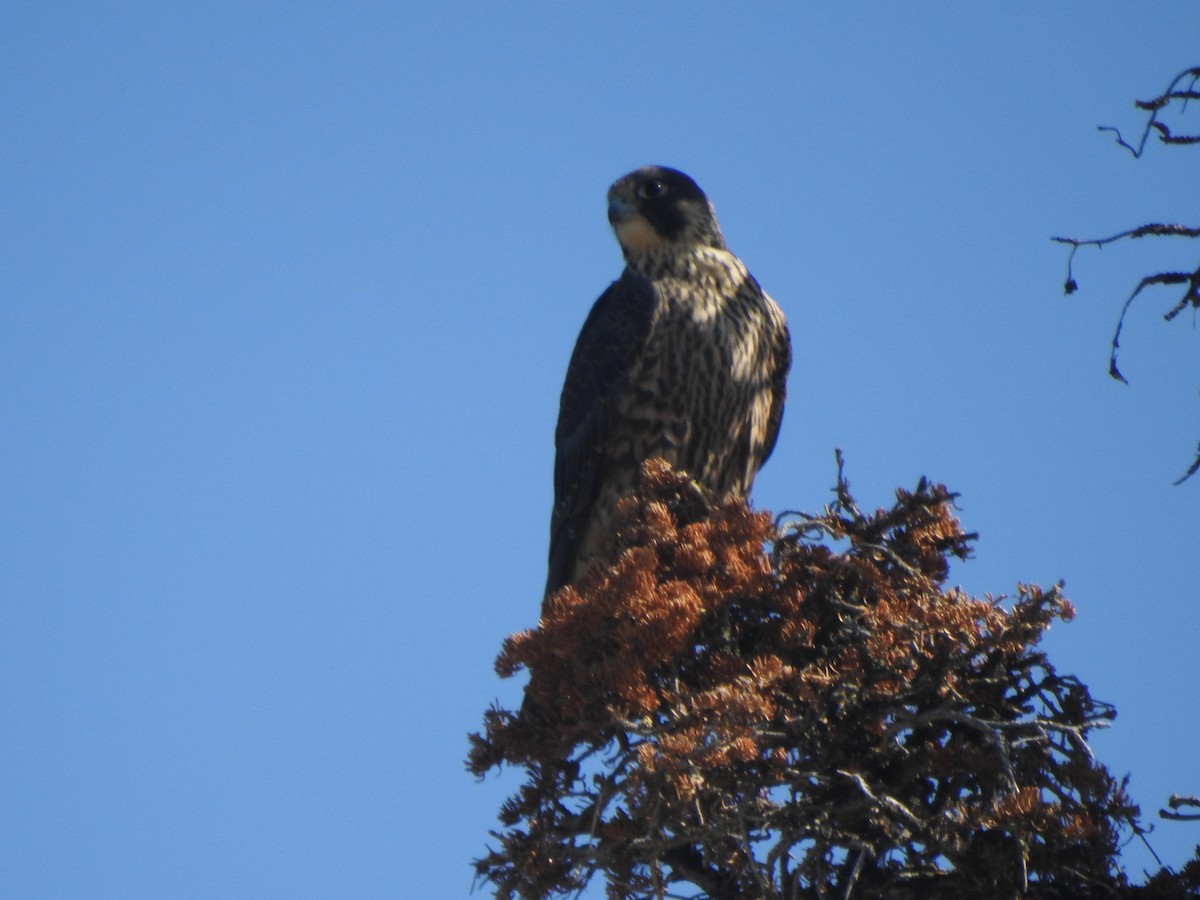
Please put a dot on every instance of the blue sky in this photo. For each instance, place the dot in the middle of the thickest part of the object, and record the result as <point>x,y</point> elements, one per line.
<point>288,291</point>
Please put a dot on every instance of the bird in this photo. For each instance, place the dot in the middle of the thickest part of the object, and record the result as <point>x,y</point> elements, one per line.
<point>683,357</point>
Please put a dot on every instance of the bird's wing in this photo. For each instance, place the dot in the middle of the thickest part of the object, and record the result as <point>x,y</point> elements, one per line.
<point>783,362</point>
<point>607,348</point>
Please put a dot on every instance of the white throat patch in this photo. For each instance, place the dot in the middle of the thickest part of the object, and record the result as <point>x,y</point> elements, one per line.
<point>638,235</point>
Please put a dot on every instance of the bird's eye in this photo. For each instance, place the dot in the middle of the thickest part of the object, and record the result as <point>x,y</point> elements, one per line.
<point>651,190</point>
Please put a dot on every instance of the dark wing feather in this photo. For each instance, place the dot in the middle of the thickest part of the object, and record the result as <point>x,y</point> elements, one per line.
<point>608,346</point>
<point>783,362</point>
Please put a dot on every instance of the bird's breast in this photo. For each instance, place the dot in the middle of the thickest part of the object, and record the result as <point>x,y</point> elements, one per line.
<point>701,381</point>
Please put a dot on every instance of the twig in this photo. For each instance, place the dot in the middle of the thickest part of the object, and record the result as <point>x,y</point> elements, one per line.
<point>1177,800</point>
<point>890,803</point>
<point>1157,105</point>
<point>1154,229</point>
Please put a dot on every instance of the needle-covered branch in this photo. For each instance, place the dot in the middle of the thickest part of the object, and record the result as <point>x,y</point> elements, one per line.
<point>743,708</point>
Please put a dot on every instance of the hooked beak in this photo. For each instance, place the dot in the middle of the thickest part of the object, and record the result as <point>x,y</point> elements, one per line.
<point>620,210</point>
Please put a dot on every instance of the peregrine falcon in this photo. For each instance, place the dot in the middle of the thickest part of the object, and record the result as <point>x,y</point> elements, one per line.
<point>684,357</point>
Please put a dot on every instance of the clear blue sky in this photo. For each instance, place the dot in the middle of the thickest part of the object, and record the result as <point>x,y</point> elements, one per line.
<point>288,291</point>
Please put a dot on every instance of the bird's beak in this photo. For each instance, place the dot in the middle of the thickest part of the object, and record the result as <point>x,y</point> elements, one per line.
<point>620,210</point>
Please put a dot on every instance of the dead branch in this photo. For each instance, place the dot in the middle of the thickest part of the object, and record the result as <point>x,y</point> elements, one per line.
<point>1191,294</point>
<point>1180,800</point>
<point>1156,106</point>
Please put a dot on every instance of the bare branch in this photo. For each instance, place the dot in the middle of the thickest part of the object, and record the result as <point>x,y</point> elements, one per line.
<point>1160,278</point>
<point>1153,229</point>
<point>1157,105</point>
<point>1191,296</point>
<point>1192,469</point>
<point>1180,800</point>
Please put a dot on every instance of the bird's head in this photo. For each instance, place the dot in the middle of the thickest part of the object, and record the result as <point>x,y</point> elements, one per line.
<point>656,210</point>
